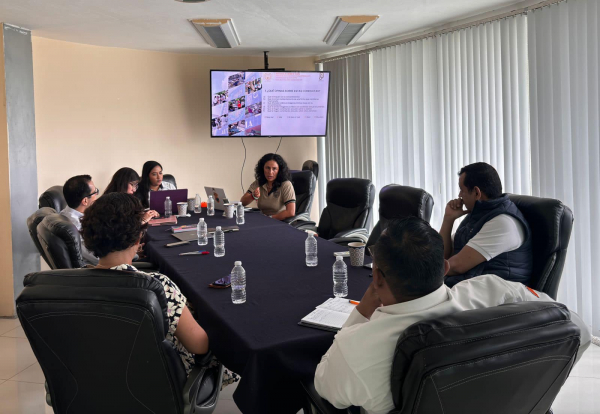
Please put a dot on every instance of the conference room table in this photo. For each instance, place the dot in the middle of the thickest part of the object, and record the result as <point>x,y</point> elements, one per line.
<point>260,340</point>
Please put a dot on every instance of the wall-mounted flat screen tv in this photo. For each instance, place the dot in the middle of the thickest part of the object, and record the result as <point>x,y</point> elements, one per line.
<point>268,104</point>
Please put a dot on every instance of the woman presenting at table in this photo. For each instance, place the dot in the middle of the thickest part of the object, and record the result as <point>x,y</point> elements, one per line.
<point>152,180</point>
<point>272,190</point>
<point>112,229</point>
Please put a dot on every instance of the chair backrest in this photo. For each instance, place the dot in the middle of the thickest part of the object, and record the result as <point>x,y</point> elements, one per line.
<point>349,206</point>
<point>304,183</point>
<point>397,201</point>
<point>53,198</point>
<point>170,179</point>
<point>311,166</point>
<point>99,336</point>
<point>512,358</point>
<point>32,223</point>
<point>551,223</point>
<point>61,242</point>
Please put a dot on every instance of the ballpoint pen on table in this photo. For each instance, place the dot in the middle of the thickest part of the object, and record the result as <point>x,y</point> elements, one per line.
<point>194,253</point>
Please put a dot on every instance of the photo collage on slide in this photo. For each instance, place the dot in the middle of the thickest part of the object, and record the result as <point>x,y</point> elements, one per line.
<point>236,110</point>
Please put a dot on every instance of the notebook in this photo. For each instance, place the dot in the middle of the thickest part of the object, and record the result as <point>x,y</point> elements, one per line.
<point>192,235</point>
<point>330,315</point>
<point>163,221</point>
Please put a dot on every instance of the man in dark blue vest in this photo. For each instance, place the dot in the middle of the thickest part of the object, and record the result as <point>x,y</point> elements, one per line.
<point>494,237</point>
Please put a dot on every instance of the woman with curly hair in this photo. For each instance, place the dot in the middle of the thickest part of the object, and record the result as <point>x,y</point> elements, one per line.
<point>126,180</point>
<point>113,230</point>
<point>272,190</point>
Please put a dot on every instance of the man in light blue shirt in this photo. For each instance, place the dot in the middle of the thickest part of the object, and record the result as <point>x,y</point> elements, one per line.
<point>80,193</point>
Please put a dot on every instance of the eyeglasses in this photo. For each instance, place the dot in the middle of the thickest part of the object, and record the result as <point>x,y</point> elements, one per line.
<point>370,249</point>
<point>134,185</point>
<point>94,193</point>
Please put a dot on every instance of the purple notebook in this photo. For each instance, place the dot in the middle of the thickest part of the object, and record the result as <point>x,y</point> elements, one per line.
<point>157,200</point>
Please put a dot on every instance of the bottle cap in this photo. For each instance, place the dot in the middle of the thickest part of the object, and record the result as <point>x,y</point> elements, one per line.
<point>238,263</point>
<point>218,228</point>
<point>168,198</point>
<point>338,258</point>
<point>201,219</point>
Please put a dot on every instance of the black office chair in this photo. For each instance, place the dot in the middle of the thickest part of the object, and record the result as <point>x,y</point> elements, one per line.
<point>512,358</point>
<point>311,166</point>
<point>348,213</point>
<point>397,201</point>
<point>551,223</point>
<point>53,198</point>
<point>61,242</point>
<point>170,179</point>
<point>32,223</point>
<point>99,336</point>
<point>304,183</point>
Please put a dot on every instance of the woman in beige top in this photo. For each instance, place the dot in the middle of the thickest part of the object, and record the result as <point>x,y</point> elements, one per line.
<point>272,190</point>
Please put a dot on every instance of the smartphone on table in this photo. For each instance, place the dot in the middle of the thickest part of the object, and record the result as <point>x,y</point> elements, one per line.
<point>222,283</point>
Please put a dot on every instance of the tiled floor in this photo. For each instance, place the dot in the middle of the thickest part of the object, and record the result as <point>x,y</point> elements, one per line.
<point>22,381</point>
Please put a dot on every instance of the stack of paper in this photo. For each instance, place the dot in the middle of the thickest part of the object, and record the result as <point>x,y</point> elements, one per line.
<point>330,315</point>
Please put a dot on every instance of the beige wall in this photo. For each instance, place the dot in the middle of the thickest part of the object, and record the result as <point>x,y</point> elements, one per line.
<point>7,300</point>
<point>99,109</point>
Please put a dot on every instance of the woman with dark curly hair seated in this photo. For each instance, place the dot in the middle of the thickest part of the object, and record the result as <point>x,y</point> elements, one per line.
<point>126,180</point>
<point>112,229</point>
<point>273,189</point>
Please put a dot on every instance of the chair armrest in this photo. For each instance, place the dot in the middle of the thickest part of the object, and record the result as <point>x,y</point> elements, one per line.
<point>202,389</point>
<point>361,234</point>
<point>299,217</point>
<point>305,225</point>
<point>317,403</point>
<point>343,241</point>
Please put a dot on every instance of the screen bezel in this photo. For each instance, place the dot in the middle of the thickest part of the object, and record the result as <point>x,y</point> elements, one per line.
<point>275,71</point>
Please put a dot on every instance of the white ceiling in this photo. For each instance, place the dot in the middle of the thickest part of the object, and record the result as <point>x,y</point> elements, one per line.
<point>285,27</point>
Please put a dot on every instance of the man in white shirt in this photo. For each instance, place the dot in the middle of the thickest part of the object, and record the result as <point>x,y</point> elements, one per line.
<point>408,286</point>
<point>494,237</point>
<point>80,193</point>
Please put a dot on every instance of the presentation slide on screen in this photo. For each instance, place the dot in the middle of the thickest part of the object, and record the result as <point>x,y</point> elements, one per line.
<point>269,103</point>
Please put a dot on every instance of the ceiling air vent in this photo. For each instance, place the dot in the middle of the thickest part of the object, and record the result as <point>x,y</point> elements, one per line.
<point>218,33</point>
<point>348,29</point>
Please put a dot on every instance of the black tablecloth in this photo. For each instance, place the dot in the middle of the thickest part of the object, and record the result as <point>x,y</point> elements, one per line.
<point>261,339</point>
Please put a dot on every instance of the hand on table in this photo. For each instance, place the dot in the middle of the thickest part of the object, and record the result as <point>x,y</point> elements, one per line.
<point>148,215</point>
<point>369,302</point>
<point>454,209</point>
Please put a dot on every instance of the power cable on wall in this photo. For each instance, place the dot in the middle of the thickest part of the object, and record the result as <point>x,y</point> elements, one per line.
<point>243,164</point>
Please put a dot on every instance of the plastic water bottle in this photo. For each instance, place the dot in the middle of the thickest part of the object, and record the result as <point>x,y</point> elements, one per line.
<point>198,204</point>
<point>202,230</point>
<point>239,214</point>
<point>340,278</point>
<point>210,206</point>
<point>168,207</point>
<point>219,240</point>
<point>310,247</point>
<point>238,284</point>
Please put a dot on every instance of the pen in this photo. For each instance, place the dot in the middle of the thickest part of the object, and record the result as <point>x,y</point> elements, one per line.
<point>354,302</point>
<point>193,253</point>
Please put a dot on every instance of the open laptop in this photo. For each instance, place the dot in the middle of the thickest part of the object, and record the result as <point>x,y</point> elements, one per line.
<point>219,196</point>
<point>157,199</point>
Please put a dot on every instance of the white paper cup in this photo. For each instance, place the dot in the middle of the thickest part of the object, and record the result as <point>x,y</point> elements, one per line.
<point>182,208</point>
<point>357,254</point>
<point>229,210</point>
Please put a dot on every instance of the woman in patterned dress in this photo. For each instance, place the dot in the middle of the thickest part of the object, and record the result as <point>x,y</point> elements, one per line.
<point>113,231</point>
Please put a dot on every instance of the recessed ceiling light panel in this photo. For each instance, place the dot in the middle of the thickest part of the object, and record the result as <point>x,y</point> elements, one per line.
<point>219,33</point>
<point>348,29</point>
